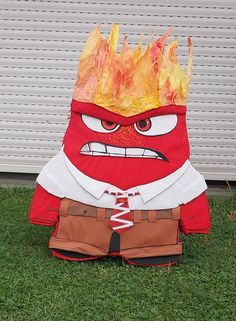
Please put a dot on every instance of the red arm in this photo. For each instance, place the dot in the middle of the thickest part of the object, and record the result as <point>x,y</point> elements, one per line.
<point>195,216</point>
<point>44,208</point>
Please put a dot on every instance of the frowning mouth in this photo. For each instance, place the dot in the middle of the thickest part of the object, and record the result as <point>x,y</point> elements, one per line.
<point>100,149</point>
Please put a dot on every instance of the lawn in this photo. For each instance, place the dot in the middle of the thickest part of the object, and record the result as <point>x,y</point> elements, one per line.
<point>36,286</point>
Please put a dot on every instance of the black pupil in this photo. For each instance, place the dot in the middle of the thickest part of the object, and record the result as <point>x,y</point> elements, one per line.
<point>142,124</point>
<point>109,123</point>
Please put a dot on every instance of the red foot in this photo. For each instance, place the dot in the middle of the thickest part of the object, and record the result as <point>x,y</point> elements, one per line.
<point>68,258</point>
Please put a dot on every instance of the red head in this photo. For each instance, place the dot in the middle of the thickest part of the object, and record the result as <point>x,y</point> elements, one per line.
<point>126,151</point>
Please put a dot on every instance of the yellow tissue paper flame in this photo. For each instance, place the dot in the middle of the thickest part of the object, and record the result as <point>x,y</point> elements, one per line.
<point>133,80</point>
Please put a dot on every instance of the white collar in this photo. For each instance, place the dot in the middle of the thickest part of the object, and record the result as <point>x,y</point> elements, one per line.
<point>150,190</point>
<point>91,185</point>
<point>147,191</point>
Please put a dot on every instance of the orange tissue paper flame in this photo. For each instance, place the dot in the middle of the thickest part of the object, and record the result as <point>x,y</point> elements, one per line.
<point>131,81</point>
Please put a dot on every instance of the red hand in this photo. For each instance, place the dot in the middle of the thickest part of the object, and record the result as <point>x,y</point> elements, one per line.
<point>195,216</point>
<point>44,208</point>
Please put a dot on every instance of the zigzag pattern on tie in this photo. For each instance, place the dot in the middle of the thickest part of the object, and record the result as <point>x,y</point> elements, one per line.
<point>122,211</point>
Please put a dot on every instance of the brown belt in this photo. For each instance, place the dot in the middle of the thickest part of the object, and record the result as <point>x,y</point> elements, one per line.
<point>71,207</point>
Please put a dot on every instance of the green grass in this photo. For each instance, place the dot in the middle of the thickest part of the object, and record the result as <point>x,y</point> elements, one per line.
<point>36,286</point>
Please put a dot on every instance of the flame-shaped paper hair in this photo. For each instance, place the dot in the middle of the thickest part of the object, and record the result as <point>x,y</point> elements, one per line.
<point>131,81</point>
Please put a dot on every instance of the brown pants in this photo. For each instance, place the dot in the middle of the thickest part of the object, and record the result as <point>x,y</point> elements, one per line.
<point>83,229</point>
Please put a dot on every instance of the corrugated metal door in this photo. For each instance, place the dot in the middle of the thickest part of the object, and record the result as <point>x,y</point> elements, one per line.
<point>41,44</point>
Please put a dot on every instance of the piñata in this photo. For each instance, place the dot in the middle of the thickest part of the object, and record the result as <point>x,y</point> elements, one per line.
<point>122,184</point>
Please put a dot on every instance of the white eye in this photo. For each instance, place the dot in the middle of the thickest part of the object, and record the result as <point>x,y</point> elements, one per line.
<point>158,125</point>
<point>98,125</point>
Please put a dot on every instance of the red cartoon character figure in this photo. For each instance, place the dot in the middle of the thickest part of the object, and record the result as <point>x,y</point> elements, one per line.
<point>122,184</point>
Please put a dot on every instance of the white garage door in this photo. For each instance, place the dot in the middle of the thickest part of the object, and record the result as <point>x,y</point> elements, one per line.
<point>41,44</point>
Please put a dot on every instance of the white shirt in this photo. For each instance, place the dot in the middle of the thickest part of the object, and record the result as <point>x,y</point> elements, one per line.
<point>61,178</point>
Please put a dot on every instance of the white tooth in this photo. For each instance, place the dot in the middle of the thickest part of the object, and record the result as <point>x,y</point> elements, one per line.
<point>98,154</point>
<point>137,152</point>
<point>85,153</point>
<point>85,148</point>
<point>97,147</point>
<point>116,151</point>
<point>116,155</point>
<point>149,153</point>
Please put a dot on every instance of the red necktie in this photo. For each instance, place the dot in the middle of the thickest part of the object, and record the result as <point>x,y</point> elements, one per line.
<point>121,219</point>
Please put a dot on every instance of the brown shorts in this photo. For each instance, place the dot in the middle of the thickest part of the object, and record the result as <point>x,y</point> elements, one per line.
<point>84,229</point>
